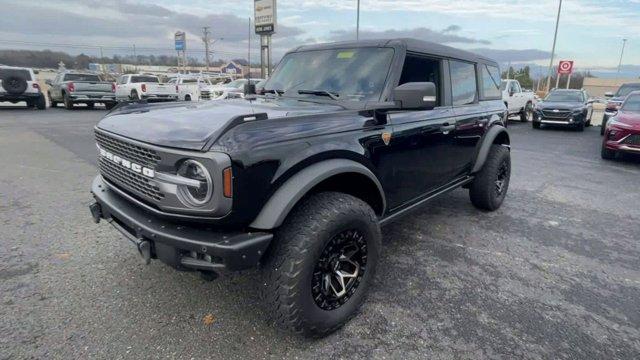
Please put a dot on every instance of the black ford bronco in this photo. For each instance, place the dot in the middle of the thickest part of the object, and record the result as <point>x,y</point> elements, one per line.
<point>346,138</point>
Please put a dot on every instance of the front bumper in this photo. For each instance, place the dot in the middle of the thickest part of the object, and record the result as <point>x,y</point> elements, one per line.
<point>622,143</point>
<point>572,120</point>
<point>182,246</point>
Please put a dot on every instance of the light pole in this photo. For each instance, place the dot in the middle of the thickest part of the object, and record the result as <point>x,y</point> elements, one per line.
<point>358,22</point>
<point>553,49</point>
<point>624,42</point>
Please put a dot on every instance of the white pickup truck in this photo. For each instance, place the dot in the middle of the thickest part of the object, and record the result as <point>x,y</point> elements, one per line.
<point>518,101</point>
<point>193,88</point>
<point>144,87</point>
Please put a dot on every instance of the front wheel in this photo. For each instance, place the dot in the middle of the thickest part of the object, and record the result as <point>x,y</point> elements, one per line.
<point>322,263</point>
<point>535,125</point>
<point>41,103</point>
<point>68,104</point>
<point>607,154</point>
<point>489,188</point>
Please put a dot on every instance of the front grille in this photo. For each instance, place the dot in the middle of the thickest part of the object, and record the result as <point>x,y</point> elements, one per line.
<point>632,140</point>
<point>129,179</point>
<point>562,114</point>
<point>131,152</point>
<point>205,95</point>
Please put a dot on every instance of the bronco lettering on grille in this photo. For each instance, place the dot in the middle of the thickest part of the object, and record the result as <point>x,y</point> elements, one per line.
<point>127,164</point>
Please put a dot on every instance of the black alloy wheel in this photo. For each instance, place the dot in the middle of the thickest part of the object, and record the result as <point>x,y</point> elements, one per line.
<point>339,270</point>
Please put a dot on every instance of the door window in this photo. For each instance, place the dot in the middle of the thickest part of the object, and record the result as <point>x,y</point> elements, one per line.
<point>464,87</point>
<point>421,69</point>
<point>490,82</point>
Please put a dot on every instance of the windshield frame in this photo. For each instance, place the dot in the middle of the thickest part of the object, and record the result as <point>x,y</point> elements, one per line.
<point>385,90</point>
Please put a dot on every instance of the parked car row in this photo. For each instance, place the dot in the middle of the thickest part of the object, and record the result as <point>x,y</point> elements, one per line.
<point>71,87</point>
<point>622,128</point>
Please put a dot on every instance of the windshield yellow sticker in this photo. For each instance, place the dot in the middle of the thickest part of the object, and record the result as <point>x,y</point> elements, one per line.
<point>345,54</point>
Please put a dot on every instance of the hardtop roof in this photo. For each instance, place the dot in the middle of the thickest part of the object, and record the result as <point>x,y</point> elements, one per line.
<point>412,45</point>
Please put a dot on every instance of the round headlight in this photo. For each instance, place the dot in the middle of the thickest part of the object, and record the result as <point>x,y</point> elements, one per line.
<point>191,195</point>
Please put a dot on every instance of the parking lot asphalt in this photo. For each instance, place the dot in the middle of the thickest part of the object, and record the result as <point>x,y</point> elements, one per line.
<point>553,274</point>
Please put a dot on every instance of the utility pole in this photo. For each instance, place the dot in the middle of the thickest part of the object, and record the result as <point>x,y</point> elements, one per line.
<point>205,38</point>
<point>553,49</point>
<point>135,59</point>
<point>624,42</point>
<point>358,22</point>
<point>102,60</point>
<point>249,51</point>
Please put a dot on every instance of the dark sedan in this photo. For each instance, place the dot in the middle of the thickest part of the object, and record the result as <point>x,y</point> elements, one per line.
<point>571,108</point>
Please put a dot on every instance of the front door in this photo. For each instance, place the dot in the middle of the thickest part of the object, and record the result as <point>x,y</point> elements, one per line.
<point>416,160</point>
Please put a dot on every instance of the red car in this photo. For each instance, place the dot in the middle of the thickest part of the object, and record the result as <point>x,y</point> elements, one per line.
<point>622,132</point>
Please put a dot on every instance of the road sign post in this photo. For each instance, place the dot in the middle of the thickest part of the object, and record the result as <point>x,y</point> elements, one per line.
<point>180,40</point>
<point>265,15</point>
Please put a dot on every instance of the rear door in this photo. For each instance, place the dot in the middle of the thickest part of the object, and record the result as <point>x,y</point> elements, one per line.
<point>471,117</point>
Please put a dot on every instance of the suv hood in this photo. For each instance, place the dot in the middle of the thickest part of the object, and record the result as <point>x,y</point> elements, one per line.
<point>192,125</point>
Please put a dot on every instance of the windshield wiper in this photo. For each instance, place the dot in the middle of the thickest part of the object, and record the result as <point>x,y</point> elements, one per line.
<point>332,95</point>
<point>273,91</point>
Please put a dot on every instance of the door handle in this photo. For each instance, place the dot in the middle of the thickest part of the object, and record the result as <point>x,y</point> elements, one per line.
<point>445,128</point>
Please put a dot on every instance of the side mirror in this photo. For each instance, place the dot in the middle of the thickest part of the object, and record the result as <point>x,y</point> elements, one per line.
<point>416,96</point>
<point>608,94</point>
<point>48,82</point>
<point>249,89</point>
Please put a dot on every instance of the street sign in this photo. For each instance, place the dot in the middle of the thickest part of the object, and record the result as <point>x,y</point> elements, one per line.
<point>565,67</point>
<point>181,41</point>
<point>265,16</point>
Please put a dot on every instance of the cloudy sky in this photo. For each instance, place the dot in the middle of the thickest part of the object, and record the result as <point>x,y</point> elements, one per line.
<point>591,31</point>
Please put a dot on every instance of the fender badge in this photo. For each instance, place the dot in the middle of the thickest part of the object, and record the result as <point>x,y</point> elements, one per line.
<point>386,137</point>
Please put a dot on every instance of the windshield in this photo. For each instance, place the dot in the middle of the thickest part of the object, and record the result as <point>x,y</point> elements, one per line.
<point>562,96</point>
<point>145,79</point>
<point>632,104</point>
<point>351,74</point>
<point>626,89</point>
<point>81,77</point>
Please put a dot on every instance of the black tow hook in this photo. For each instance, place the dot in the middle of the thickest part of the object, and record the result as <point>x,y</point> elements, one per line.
<point>144,248</point>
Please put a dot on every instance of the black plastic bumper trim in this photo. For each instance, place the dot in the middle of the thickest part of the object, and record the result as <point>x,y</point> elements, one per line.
<point>238,250</point>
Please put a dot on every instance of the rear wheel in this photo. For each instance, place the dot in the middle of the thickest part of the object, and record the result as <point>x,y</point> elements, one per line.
<point>41,102</point>
<point>527,113</point>
<point>51,102</point>
<point>322,263</point>
<point>134,96</point>
<point>68,104</point>
<point>489,188</point>
<point>187,98</point>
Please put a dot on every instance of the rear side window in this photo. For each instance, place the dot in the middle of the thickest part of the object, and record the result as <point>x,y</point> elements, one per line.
<point>464,88</point>
<point>25,74</point>
<point>490,82</point>
<point>145,79</point>
<point>81,77</point>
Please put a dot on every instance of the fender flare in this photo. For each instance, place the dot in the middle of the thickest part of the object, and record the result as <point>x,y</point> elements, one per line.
<point>277,208</point>
<point>488,140</point>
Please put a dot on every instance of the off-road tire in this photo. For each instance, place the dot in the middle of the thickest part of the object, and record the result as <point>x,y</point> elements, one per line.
<point>607,154</point>
<point>68,104</point>
<point>40,103</point>
<point>483,190</point>
<point>523,113</point>
<point>52,103</point>
<point>14,83</point>
<point>297,246</point>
